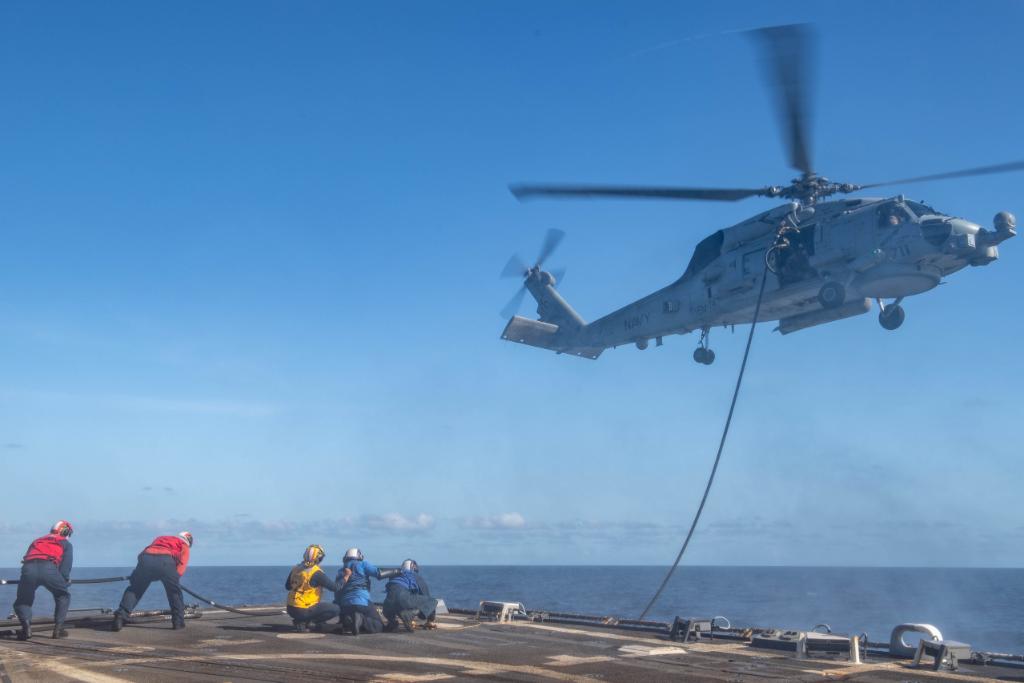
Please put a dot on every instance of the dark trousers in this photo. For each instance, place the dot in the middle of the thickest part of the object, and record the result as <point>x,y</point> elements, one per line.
<point>317,614</point>
<point>149,569</point>
<point>371,617</point>
<point>36,573</point>
<point>401,603</point>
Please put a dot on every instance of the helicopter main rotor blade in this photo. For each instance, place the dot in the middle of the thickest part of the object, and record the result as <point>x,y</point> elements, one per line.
<point>523,192</point>
<point>551,241</point>
<point>515,267</point>
<point>787,54</point>
<point>980,170</point>
<point>512,307</point>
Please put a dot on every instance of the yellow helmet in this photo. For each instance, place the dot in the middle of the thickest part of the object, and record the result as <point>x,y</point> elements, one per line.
<point>314,555</point>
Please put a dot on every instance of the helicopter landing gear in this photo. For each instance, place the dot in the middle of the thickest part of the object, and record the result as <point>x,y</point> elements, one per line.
<point>892,315</point>
<point>831,295</point>
<point>702,354</point>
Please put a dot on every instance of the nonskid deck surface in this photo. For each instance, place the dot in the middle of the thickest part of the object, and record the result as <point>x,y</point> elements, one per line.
<point>222,646</point>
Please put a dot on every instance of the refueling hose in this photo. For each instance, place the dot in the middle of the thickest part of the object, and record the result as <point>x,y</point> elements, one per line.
<point>109,579</point>
<point>721,445</point>
<point>197,596</point>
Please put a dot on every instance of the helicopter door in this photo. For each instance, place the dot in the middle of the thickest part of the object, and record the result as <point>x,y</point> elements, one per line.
<point>752,267</point>
<point>753,264</point>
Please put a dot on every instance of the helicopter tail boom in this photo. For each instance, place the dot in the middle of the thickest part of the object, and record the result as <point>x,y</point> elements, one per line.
<point>545,336</point>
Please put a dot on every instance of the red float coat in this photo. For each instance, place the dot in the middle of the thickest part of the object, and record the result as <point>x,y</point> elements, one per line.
<point>170,545</point>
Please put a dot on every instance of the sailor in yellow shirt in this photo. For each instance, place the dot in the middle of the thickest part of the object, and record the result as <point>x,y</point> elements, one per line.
<point>305,583</point>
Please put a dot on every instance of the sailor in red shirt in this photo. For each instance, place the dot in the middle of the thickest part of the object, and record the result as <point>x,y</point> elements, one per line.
<point>47,563</point>
<point>164,560</point>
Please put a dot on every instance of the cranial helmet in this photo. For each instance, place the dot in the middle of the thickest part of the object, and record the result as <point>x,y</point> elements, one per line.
<point>314,555</point>
<point>62,528</point>
<point>353,554</point>
<point>187,537</point>
<point>410,566</point>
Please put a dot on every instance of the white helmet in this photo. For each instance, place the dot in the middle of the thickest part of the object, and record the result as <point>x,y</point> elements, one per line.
<point>410,566</point>
<point>353,554</point>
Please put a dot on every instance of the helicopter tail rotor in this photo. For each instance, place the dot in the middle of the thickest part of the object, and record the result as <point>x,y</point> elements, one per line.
<point>516,267</point>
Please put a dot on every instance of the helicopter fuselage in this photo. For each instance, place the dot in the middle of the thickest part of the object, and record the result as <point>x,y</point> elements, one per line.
<point>837,257</point>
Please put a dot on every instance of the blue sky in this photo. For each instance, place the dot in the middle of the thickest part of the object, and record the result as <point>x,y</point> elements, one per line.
<point>248,284</point>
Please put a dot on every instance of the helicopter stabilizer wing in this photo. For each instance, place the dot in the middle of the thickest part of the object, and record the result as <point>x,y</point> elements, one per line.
<point>545,336</point>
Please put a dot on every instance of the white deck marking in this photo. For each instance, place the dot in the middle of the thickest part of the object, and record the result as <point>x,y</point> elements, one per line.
<point>301,636</point>
<point>73,672</point>
<point>648,651</point>
<point>410,678</point>
<point>577,632</point>
<point>573,660</point>
<point>221,642</point>
<point>130,649</point>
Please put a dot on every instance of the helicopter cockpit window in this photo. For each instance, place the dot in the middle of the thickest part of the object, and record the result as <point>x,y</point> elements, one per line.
<point>920,209</point>
<point>707,250</point>
<point>892,215</point>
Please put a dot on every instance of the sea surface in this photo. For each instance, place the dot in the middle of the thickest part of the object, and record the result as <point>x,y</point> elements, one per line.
<point>983,607</point>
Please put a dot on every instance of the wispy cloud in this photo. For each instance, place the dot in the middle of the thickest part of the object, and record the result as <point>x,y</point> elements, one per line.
<point>393,521</point>
<point>505,520</point>
<point>242,527</point>
<point>12,446</point>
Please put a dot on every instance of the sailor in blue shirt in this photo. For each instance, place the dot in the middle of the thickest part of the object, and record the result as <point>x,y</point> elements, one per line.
<point>408,597</point>
<point>358,613</point>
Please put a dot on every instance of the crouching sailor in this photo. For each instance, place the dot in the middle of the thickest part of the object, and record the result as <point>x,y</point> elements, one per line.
<point>408,597</point>
<point>358,614</point>
<point>305,583</point>
<point>163,560</point>
<point>48,564</point>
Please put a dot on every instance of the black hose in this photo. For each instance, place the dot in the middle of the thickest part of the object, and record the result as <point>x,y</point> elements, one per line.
<point>109,579</point>
<point>197,596</point>
<point>721,445</point>
<point>106,580</point>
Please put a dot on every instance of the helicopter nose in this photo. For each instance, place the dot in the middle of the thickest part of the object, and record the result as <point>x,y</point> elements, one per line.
<point>961,227</point>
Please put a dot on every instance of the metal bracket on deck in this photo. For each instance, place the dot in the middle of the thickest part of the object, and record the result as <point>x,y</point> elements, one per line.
<point>946,653</point>
<point>502,612</point>
<point>691,629</point>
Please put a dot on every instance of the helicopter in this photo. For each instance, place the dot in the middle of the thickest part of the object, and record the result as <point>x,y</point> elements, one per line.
<point>810,261</point>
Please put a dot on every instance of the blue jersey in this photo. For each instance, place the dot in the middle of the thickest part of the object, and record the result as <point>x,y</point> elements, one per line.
<point>356,590</point>
<point>406,580</point>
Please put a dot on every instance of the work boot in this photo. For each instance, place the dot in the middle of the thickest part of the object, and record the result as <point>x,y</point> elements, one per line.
<point>118,623</point>
<point>177,624</point>
<point>431,623</point>
<point>407,622</point>
<point>25,633</point>
<point>300,626</point>
<point>59,632</point>
<point>391,626</point>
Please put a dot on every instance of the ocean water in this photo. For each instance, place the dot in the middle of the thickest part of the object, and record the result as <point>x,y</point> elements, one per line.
<point>983,607</point>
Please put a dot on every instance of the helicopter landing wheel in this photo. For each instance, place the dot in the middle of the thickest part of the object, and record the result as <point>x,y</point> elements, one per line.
<point>892,316</point>
<point>703,355</point>
<point>831,295</point>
